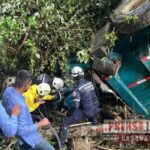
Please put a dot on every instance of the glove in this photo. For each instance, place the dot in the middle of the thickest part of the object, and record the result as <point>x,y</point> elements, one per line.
<point>105,88</point>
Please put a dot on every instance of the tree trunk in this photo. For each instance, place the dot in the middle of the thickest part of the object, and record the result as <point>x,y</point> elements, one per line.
<point>86,129</point>
<point>79,131</point>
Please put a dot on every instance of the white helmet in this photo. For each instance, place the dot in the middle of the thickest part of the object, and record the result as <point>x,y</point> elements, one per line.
<point>43,89</point>
<point>9,81</point>
<point>58,83</point>
<point>77,71</point>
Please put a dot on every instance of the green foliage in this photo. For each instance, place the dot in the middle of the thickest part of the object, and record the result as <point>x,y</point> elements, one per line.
<point>111,38</point>
<point>8,144</point>
<point>40,35</point>
<point>129,19</point>
<point>83,56</point>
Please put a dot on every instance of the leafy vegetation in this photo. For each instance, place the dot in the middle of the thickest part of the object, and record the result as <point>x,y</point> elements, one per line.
<point>128,19</point>
<point>40,34</point>
<point>111,38</point>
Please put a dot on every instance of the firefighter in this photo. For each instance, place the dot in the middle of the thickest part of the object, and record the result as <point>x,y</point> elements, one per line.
<point>64,93</point>
<point>36,95</point>
<point>86,104</point>
<point>58,83</point>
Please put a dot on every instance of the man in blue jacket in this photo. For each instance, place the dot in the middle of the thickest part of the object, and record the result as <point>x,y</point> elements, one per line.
<point>85,103</point>
<point>27,134</point>
<point>8,125</point>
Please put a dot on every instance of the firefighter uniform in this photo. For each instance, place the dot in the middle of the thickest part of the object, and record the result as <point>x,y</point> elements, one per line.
<point>86,106</point>
<point>31,95</point>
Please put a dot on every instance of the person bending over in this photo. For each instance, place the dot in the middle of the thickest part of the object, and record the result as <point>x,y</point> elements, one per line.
<point>85,102</point>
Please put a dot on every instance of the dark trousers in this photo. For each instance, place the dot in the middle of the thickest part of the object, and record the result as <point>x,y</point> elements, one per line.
<point>76,117</point>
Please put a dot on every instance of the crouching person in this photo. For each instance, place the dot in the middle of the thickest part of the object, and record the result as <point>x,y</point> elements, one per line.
<point>37,95</point>
<point>27,131</point>
<point>86,104</point>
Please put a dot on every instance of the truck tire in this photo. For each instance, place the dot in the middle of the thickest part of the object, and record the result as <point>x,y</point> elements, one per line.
<point>139,8</point>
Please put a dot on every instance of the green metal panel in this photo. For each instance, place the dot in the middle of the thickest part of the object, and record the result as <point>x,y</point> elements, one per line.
<point>133,69</point>
<point>146,62</point>
<point>147,65</point>
<point>128,96</point>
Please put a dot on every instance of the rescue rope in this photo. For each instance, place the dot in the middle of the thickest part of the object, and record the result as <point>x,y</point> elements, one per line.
<point>53,130</point>
<point>60,97</point>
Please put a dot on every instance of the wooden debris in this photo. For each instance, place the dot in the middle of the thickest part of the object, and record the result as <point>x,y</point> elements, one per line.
<point>85,129</point>
<point>102,148</point>
<point>80,124</point>
<point>82,144</point>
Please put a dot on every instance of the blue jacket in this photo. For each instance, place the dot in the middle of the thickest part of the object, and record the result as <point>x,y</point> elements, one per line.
<point>85,97</point>
<point>8,125</point>
<point>26,129</point>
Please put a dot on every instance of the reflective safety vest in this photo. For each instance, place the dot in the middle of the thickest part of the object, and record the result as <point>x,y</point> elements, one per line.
<point>84,94</point>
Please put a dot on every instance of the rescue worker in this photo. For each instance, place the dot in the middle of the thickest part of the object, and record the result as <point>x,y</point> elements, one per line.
<point>55,82</point>
<point>64,93</point>
<point>86,104</point>
<point>58,83</point>
<point>60,91</point>
<point>37,95</point>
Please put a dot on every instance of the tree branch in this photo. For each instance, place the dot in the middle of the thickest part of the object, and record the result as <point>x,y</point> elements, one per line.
<point>22,43</point>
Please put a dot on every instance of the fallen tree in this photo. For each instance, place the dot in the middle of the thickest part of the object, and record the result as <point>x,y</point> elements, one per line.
<point>78,131</point>
<point>86,129</point>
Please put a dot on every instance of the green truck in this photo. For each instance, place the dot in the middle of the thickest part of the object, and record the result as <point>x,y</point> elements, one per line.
<point>131,78</point>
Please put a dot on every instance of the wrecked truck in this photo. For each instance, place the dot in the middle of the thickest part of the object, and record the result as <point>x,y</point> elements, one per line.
<point>126,66</point>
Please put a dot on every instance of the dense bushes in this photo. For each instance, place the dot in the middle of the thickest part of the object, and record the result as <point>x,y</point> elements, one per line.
<point>41,34</point>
